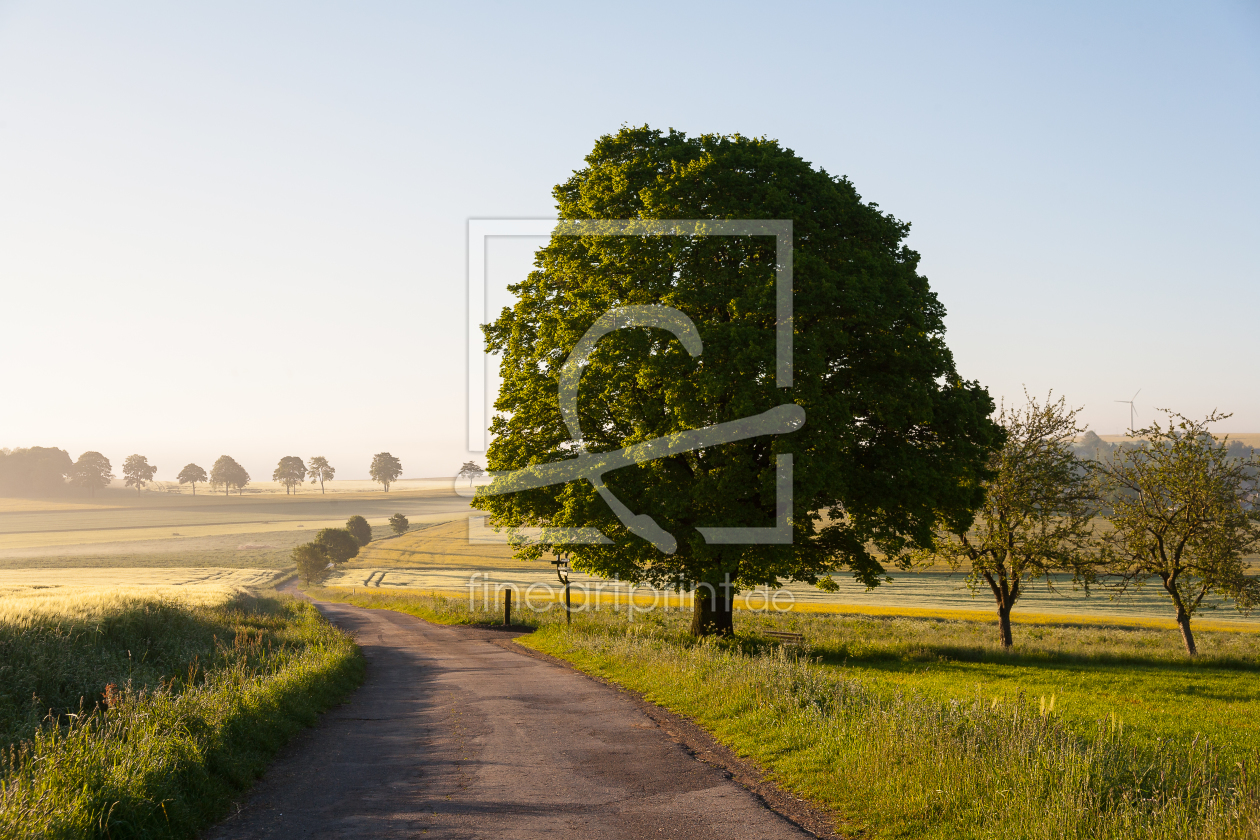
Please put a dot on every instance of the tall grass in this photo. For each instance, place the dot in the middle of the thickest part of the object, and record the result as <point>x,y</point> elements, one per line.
<point>907,766</point>
<point>146,718</point>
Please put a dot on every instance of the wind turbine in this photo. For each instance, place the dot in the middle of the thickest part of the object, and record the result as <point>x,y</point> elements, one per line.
<point>1132,411</point>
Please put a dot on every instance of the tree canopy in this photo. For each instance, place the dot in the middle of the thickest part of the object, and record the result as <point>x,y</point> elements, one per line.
<point>385,469</point>
<point>290,472</point>
<point>191,474</point>
<point>1181,511</point>
<point>312,563</point>
<point>226,473</point>
<point>359,529</point>
<point>320,470</point>
<point>92,471</point>
<point>337,544</point>
<point>894,439</point>
<point>399,523</point>
<point>1037,513</point>
<point>137,471</point>
<point>36,470</point>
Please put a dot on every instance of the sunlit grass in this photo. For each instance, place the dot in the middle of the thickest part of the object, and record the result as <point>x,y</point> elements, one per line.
<point>142,712</point>
<point>921,727</point>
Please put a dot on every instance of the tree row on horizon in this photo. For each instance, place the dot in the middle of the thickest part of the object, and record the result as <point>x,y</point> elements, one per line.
<point>42,469</point>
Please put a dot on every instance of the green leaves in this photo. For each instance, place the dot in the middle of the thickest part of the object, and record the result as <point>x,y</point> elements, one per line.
<point>359,529</point>
<point>894,439</point>
<point>1182,511</point>
<point>1036,518</point>
<point>338,544</point>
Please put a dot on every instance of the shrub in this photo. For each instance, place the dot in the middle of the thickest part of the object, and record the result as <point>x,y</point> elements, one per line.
<point>359,529</point>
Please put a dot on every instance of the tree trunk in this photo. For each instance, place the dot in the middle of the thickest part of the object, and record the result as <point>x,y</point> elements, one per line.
<point>1004,626</point>
<point>1005,594</point>
<point>1183,621</point>
<point>711,612</point>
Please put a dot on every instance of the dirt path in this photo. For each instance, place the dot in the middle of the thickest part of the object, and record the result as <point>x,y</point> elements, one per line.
<point>453,735</point>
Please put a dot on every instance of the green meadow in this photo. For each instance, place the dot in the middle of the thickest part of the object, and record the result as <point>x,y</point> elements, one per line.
<point>925,728</point>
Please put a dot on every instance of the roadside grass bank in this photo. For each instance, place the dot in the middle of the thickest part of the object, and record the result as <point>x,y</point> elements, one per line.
<point>910,763</point>
<point>144,715</point>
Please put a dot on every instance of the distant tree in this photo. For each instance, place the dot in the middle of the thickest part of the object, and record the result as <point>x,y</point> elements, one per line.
<point>37,470</point>
<point>312,563</point>
<point>385,469</point>
<point>1091,447</point>
<point>1180,512</point>
<point>470,470</point>
<point>289,472</point>
<point>337,543</point>
<point>191,474</point>
<point>228,474</point>
<point>92,471</point>
<point>320,470</point>
<point>359,529</point>
<point>399,523</point>
<point>1037,511</point>
<point>137,471</point>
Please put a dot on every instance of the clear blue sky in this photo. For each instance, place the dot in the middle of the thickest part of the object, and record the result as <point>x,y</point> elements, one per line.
<point>239,227</point>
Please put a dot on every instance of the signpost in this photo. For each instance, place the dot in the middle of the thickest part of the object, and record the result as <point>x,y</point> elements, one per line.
<point>562,572</point>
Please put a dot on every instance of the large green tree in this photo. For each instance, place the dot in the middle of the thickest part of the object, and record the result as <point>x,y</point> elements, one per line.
<point>1183,512</point>
<point>893,439</point>
<point>92,471</point>
<point>137,471</point>
<point>1037,517</point>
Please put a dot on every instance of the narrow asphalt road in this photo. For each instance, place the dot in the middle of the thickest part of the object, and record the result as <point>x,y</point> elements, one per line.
<point>454,735</point>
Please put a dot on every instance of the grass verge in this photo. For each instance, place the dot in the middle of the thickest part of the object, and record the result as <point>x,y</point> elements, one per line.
<point>148,718</point>
<point>915,727</point>
<point>907,764</point>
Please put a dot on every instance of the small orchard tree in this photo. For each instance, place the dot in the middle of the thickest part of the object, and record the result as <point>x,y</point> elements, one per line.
<point>191,474</point>
<point>1037,512</point>
<point>92,471</point>
<point>290,472</point>
<point>312,563</point>
<point>137,471</point>
<point>399,523</point>
<point>359,529</point>
<point>337,544</point>
<point>320,471</point>
<point>471,470</point>
<point>228,474</point>
<point>1182,511</point>
<point>385,469</point>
